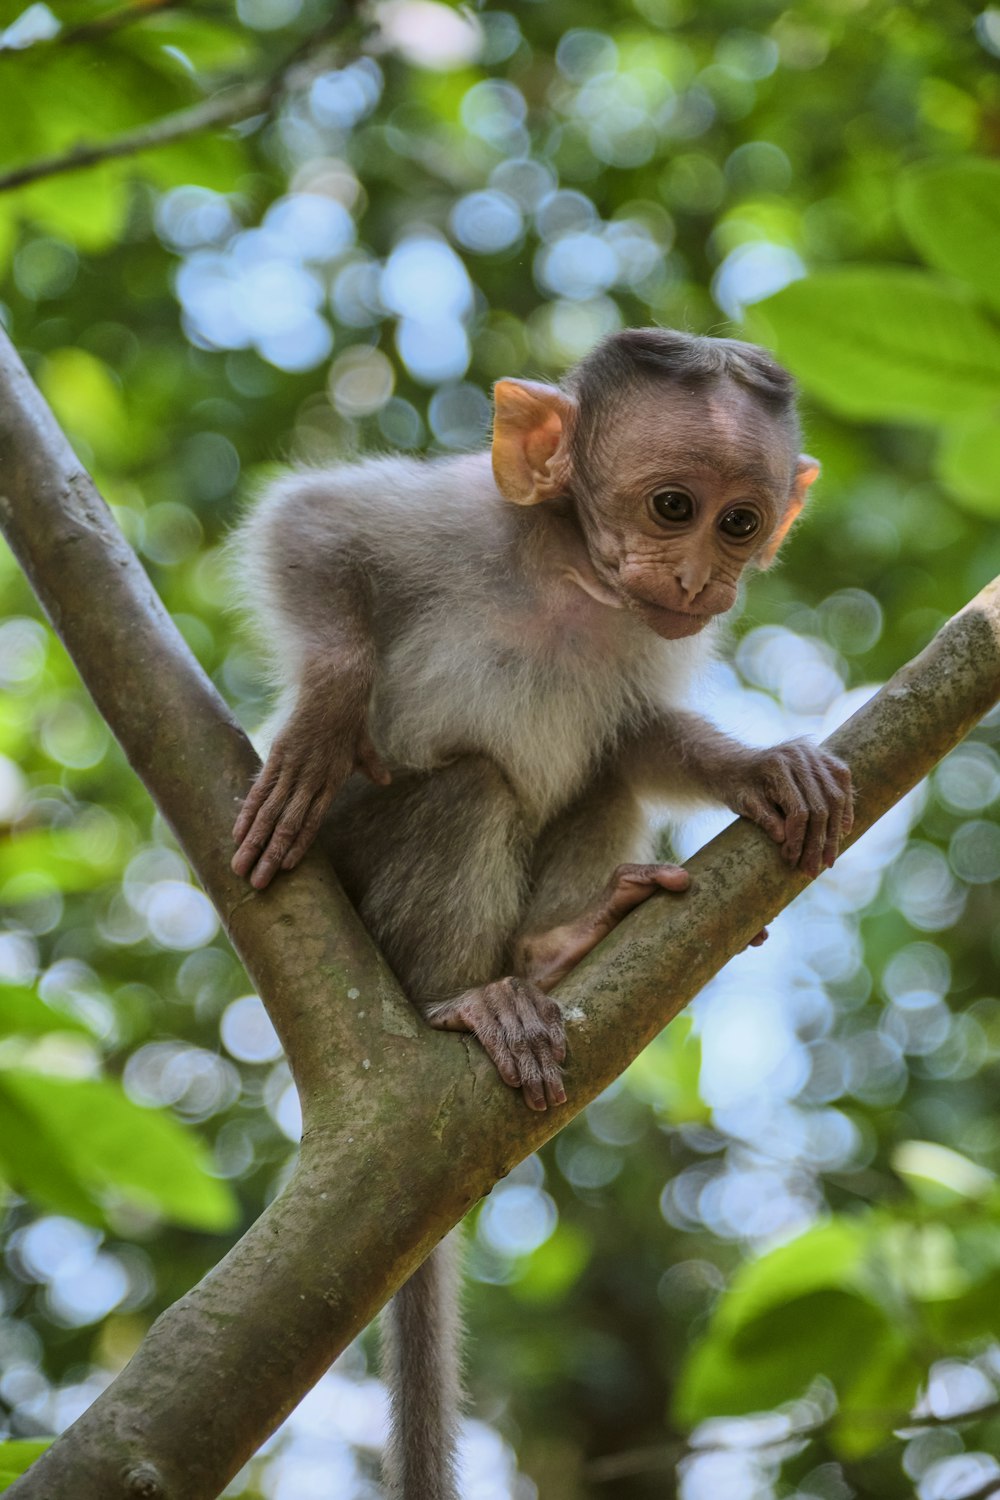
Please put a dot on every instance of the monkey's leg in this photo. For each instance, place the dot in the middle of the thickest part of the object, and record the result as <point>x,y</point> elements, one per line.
<point>574,903</point>
<point>438,866</point>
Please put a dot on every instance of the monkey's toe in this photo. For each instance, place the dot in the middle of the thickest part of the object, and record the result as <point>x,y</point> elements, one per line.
<point>521,1030</point>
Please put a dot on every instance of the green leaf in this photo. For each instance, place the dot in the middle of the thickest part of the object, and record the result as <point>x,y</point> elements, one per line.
<point>968,462</point>
<point>89,208</point>
<point>211,159</point>
<point>885,343</point>
<point>951,211</point>
<point>883,1388</point>
<point>96,1140</point>
<point>787,1317</point>
<point>34,1159</point>
<point>830,1255</point>
<point>17,1456</point>
<point>775,1357</point>
<point>88,400</point>
<point>23,1013</point>
<point>940,1176</point>
<point>70,857</point>
<point>206,44</point>
<point>968,1319</point>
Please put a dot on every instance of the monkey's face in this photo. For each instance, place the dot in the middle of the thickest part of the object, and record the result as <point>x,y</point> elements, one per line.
<point>687,490</point>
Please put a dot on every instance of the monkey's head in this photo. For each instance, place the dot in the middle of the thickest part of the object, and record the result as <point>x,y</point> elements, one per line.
<point>680,458</point>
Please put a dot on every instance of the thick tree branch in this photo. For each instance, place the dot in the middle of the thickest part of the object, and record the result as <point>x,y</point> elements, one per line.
<point>228,106</point>
<point>404,1128</point>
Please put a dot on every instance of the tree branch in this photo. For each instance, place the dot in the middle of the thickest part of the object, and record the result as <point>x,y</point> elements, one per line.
<point>646,1460</point>
<point>405,1128</point>
<point>94,30</point>
<point>114,20</point>
<point>233,103</point>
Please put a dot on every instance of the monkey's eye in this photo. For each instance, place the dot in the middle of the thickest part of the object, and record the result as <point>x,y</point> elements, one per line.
<point>673,505</point>
<point>740,523</point>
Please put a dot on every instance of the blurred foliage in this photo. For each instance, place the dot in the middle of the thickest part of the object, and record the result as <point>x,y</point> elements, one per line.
<point>767,1262</point>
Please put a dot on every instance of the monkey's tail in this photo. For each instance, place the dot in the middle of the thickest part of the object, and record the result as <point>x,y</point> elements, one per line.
<point>421,1366</point>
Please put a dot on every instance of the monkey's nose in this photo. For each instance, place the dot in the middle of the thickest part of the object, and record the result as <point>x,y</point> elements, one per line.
<point>692,580</point>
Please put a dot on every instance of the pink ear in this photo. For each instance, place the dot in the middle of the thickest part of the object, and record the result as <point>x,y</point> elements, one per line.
<point>531,427</point>
<point>806,473</point>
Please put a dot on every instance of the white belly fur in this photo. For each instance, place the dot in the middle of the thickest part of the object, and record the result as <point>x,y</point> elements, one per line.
<point>445,690</point>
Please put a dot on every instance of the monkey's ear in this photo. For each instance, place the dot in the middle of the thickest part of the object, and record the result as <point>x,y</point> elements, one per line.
<point>806,473</point>
<point>531,427</point>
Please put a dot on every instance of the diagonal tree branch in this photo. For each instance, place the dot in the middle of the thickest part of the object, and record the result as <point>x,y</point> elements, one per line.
<point>404,1128</point>
<point>94,30</point>
<point>239,103</point>
<point>114,20</point>
<point>230,105</point>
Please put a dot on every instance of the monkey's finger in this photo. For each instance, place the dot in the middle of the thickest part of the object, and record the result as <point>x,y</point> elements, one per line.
<point>808,827</point>
<point>271,836</point>
<point>787,786</point>
<point>541,1081</point>
<point>282,815</point>
<point>840,798</point>
<point>489,1014</point>
<point>251,851</point>
<point>311,825</point>
<point>493,1042</point>
<point>835,823</point>
<point>471,1012</point>
<point>846,782</point>
<point>629,887</point>
<point>550,1018</point>
<point>536,1038</point>
<point>759,938</point>
<point>762,812</point>
<point>256,797</point>
<point>257,822</point>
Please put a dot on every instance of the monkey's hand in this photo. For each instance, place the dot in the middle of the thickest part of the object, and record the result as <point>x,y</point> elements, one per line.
<point>800,796</point>
<point>520,1028</point>
<point>309,762</point>
<point>547,957</point>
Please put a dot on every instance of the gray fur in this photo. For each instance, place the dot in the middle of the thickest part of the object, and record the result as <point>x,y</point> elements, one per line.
<point>520,722</point>
<point>420,1362</point>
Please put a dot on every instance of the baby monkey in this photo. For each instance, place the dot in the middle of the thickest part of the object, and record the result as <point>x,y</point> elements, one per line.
<point>485,662</point>
<point>485,666</point>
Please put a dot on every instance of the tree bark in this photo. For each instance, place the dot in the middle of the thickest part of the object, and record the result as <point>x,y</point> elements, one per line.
<point>404,1128</point>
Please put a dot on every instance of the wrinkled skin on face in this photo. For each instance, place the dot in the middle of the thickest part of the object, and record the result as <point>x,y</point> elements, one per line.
<point>683,490</point>
<point>687,491</point>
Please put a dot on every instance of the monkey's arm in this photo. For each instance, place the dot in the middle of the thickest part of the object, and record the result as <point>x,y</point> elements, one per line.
<point>313,600</point>
<point>797,793</point>
<point>323,740</point>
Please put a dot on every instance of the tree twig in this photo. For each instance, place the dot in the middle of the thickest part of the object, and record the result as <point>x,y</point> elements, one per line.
<point>113,20</point>
<point>656,1456</point>
<point>224,109</point>
<point>404,1128</point>
<point>236,102</point>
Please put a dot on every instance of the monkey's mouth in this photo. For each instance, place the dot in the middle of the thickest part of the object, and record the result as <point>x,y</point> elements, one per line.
<point>671,624</point>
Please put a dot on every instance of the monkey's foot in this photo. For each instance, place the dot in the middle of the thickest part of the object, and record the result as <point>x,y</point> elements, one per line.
<point>520,1028</point>
<point>802,797</point>
<point>547,957</point>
